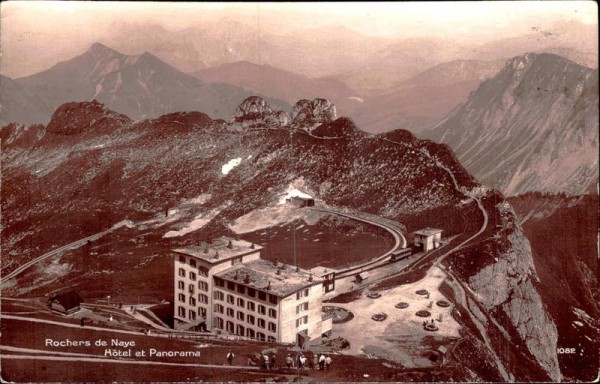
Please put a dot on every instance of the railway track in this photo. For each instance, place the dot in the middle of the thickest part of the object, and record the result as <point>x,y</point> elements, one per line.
<point>399,242</point>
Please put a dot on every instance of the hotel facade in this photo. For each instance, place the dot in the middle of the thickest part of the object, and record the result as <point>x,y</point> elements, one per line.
<point>226,287</point>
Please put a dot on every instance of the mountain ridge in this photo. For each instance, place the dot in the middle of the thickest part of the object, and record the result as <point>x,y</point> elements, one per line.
<point>140,86</point>
<point>537,98</point>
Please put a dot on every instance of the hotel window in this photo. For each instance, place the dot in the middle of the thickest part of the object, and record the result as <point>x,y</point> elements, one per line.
<point>181,311</point>
<point>230,299</point>
<point>262,295</point>
<point>192,301</point>
<point>262,309</point>
<point>219,308</point>
<point>218,322</point>
<point>261,323</point>
<point>219,295</point>
<point>273,299</point>
<point>193,276</point>
<point>191,288</point>
<point>231,285</point>
<point>181,272</point>
<point>203,286</point>
<point>181,284</point>
<point>192,262</point>
<point>301,307</point>
<point>251,292</point>
<point>236,260</point>
<point>202,311</point>
<point>241,289</point>
<point>272,327</point>
<point>240,315</point>
<point>251,306</point>
<point>203,298</point>
<point>219,282</point>
<point>271,339</point>
<point>204,272</point>
<point>182,297</point>
<point>301,321</point>
<point>192,315</point>
<point>251,319</point>
<point>230,312</point>
<point>182,259</point>
<point>301,294</point>
<point>272,313</point>
<point>240,302</point>
<point>260,336</point>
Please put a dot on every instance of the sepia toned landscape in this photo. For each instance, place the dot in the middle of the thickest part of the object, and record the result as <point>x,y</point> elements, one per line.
<point>314,192</point>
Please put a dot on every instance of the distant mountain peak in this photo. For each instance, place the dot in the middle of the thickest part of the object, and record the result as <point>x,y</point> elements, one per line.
<point>534,126</point>
<point>101,49</point>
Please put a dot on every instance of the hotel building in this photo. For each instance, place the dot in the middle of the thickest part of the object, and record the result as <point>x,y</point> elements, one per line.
<point>225,286</point>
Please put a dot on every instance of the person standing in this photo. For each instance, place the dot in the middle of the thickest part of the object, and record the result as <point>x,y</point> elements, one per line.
<point>322,362</point>
<point>302,361</point>
<point>267,362</point>
<point>230,356</point>
<point>273,361</point>
<point>327,362</point>
<point>315,360</point>
<point>288,361</point>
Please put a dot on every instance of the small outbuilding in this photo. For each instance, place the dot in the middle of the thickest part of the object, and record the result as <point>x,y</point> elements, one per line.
<point>300,202</point>
<point>428,239</point>
<point>66,303</point>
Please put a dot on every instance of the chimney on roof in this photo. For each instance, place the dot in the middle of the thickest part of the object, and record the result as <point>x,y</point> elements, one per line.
<point>268,286</point>
<point>247,279</point>
<point>278,271</point>
<point>310,278</point>
<point>217,255</point>
<point>297,268</point>
<point>206,249</point>
<point>276,262</point>
<point>230,245</point>
<point>252,246</point>
<point>235,277</point>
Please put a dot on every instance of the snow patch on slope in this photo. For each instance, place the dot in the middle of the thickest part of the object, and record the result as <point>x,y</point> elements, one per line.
<point>226,168</point>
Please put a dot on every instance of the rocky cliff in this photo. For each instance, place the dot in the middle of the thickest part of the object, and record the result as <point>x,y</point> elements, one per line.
<point>502,277</point>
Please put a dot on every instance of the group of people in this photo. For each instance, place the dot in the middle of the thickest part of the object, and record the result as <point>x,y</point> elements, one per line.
<point>321,361</point>
<point>269,361</point>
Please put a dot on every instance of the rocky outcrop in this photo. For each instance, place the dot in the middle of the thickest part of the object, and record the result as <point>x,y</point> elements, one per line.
<point>76,118</point>
<point>254,112</point>
<point>507,286</point>
<point>310,113</point>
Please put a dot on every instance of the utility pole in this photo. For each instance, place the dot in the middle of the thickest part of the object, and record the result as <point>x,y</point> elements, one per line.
<point>293,164</point>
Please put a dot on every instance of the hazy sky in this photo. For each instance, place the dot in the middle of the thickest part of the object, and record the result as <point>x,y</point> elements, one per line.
<point>36,34</point>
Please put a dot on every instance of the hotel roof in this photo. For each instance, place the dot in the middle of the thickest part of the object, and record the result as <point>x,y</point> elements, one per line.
<point>321,271</point>
<point>428,231</point>
<point>223,248</point>
<point>262,275</point>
